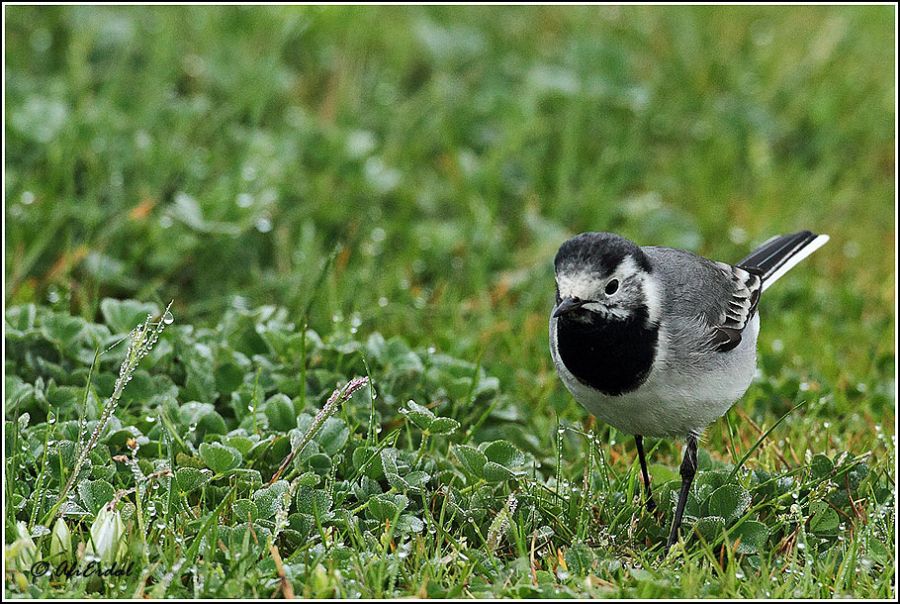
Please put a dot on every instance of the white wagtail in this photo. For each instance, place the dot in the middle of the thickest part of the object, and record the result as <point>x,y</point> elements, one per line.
<point>661,342</point>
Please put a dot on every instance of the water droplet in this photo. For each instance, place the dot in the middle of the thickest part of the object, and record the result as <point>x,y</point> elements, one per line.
<point>168,318</point>
<point>51,418</point>
<point>192,427</point>
<point>244,200</point>
<point>263,224</point>
<point>737,235</point>
<point>27,198</point>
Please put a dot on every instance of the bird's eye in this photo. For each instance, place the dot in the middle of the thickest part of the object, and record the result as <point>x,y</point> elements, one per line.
<point>612,286</point>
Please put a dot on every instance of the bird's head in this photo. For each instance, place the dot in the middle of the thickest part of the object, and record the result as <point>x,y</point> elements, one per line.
<point>602,276</point>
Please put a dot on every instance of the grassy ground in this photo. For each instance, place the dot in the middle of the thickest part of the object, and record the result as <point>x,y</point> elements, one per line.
<point>336,192</point>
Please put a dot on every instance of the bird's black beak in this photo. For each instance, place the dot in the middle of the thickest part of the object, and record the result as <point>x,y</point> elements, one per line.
<point>567,305</point>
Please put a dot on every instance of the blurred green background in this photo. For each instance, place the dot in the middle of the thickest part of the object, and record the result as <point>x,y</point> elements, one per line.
<point>413,170</point>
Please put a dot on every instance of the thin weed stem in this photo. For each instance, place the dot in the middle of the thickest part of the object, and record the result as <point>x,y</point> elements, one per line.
<point>140,342</point>
<point>337,398</point>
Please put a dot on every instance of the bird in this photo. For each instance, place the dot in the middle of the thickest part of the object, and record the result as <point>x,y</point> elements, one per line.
<point>661,342</point>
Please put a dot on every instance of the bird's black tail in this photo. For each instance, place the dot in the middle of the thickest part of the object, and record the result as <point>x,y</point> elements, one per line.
<point>780,254</point>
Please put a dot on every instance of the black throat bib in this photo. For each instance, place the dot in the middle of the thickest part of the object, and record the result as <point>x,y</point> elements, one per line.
<point>609,355</point>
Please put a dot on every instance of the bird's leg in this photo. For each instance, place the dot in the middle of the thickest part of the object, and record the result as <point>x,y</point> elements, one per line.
<point>639,441</point>
<point>688,469</point>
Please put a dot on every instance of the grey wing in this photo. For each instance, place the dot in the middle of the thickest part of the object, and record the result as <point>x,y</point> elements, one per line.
<point>716,298</point>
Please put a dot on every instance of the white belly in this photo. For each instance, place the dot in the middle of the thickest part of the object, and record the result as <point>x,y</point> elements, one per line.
<point>678,397</point>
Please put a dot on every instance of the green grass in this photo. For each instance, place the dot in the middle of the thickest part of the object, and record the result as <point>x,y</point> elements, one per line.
<point>330,193</point>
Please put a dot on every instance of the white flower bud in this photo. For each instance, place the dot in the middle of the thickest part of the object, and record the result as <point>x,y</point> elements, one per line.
<point>60,541</point>
<point>107,536</point>
<point>21,553</point>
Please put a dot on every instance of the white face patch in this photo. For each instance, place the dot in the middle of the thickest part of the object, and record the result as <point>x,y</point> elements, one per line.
<point>584,286</point>
<point>635,287</point>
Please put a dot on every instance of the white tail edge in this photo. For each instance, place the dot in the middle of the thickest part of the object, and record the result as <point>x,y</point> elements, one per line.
<point>795,260</point>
